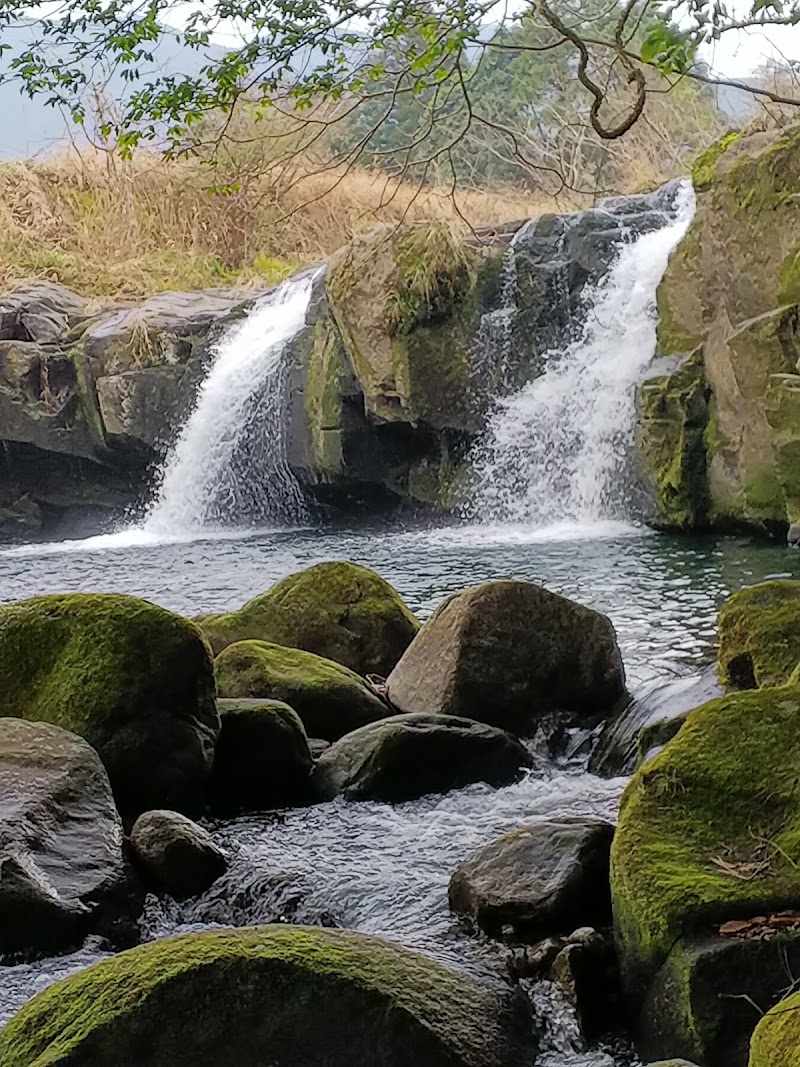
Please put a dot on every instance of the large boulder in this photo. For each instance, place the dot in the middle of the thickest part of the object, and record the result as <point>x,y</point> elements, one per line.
<point>262,758</point>
<point>289,996</point>
<point>759,635</point>
<point>406,756</point>
<point>175,855</point>
<point>507,653</point>
<point>776,1039</point>
<point>62,869</point>
<point>338,610</point>
<point>330,699</point>
<point>720,430</point>
<point>547,878</point>
<point>709,835</point>
<point>134,680</point>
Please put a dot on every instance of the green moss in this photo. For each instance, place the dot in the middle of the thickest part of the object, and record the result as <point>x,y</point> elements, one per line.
<point>776,1039</point>
<point>759,635</point>
<point>338,610</point>
<point>279,994</point>
<point>719,801</point>
<point>674,339</point>
<point>330,699</point>
<point>704,170</point>
<point>789,278</point>
<point>133,679</point>
<point>434,273</point>
<point>673,414</point>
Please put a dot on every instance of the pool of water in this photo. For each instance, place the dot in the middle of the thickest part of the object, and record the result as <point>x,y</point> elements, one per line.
<point>375,867</point>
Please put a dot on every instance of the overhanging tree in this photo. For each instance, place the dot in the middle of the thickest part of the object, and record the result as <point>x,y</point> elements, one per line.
<point>417,68</point>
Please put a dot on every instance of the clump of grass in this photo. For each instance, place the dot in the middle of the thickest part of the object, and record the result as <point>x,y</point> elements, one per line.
<point>104,226</point>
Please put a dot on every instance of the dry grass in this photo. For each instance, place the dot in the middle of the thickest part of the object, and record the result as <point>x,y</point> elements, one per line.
<point>106,227</point>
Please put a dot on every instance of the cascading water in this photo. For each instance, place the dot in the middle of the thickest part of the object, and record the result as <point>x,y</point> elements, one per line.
<point>557,451</point>
<point>229,465</point>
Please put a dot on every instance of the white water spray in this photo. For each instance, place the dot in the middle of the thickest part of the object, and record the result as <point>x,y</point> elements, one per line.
<point>229,464</point>
<point>558,450</point>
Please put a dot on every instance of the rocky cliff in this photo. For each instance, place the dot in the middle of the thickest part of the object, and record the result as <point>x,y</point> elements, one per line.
<point>412,333</point>
<point>720,411</point>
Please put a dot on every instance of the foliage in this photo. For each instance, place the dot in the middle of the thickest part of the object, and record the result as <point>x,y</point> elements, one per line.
<point>419,81</point>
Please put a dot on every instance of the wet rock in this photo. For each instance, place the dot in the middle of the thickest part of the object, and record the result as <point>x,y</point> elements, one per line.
<point>334,996</point>
<point>338,610</point>
<point>507,653</point>
<point>587,973</point>
<point>759,635</point>
<point>62,869</point>
<point>175,855</point>
<point>547,878</point>
<point>262,757</point>
<point>317,746</point>
<point>132,679</point>
<point>330,699</point>
<point>711,993</point>
<point>793,535</point>
<point>407,756</point>
<point>20,518</point>
<point>653,716</point>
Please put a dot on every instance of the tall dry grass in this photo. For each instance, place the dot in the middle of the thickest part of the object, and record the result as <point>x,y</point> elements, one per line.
<point>104,226</point>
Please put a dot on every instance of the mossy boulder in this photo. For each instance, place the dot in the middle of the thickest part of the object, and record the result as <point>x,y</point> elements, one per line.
<point>776,1039</point>
<point>730,295</point>
<point>407,756</point>
<point>287,996</point>
<point>134,680</point>
<point>338,610</point>
<point>507,653</point>
<point>711,992</point>
<point>262,758</point>
<point>709,829</point>
<point>175,855</point>
<point>330,699</point>
<point>63,873</point>
<point>759,635</point>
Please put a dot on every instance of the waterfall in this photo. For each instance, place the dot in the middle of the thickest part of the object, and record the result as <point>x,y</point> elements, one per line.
<point>229,464</point>
<point>558,450</point>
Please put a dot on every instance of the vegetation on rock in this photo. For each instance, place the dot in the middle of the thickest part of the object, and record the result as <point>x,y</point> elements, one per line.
<point>134,680</point>
<point>709,828</point>
<point>330,699</point>
<point>289,995</point>
<point>339,610</point>
<point>776,1039</point>
<point>759,635</point>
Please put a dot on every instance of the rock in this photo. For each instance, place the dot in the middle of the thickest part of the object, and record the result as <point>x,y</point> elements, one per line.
<point>175,855</point>
<point>728,300</point>
<point>334,997</point>
<point>711,993</point>
<point>341,611</point>
<point>654,715</point>
<point>793,535</point>
<point>40,312</point>
<point>673,414</point>
<point>22,517</point>
<point>507,653</point>
<point>330,699</point>
<point>759,635</point>
<point>262,758</point>
<point>587,974</point>
<point>62,869</point>
<point>707,835</point>
<point>776,1040</point>
<point>547,878</point>
<point>316,746</point>
<point>133,679</point>
<point>407,756</point>
<point>672,1063</point>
